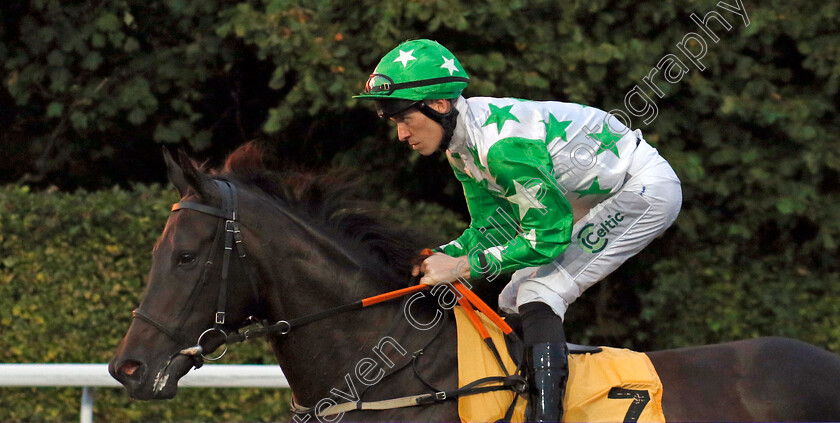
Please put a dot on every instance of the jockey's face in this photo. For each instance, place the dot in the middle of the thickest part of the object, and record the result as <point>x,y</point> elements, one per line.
<point>422,133</point>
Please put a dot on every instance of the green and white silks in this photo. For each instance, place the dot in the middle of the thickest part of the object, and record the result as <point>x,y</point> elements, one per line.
<point>536,176</point>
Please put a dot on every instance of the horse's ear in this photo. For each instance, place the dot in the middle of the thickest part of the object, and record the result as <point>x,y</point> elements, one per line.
<point>183,173</point>
<point>192,175</point>
<point>175,173</point>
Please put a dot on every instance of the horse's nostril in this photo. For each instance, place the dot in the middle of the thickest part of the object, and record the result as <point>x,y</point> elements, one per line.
<point>129,367</point>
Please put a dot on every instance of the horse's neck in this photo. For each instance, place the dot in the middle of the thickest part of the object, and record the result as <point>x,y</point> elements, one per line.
<point>318,356</point>
<point>367,355</point>
<point>334,358</point>
<point>309,275</point>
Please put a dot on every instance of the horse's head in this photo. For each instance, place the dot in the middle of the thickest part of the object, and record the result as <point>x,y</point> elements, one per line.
<point>311,244</point>
<point>197,288</point>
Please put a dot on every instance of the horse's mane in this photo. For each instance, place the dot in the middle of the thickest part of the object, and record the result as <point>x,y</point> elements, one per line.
<point>330,201</point>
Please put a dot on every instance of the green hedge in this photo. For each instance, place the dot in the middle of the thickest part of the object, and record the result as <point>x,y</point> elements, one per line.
<point>72,267</point>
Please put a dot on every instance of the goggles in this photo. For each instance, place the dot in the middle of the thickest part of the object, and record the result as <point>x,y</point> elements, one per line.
<point>379,84</point>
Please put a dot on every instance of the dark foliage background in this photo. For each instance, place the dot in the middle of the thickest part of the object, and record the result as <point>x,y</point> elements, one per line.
<point>91,90</point>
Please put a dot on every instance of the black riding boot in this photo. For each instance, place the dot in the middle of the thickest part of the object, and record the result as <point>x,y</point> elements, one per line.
<point>548,368</point>
<point>546,362</point>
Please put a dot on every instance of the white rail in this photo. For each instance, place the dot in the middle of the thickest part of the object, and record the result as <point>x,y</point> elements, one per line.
<point>89,376</point>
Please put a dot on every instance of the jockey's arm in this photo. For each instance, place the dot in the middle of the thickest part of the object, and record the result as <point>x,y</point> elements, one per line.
<point>482,206</point>
<point>534,201</point>
<point>524,170</point>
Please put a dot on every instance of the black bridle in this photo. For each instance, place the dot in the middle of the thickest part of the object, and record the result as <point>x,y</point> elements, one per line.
<point>228,230</point>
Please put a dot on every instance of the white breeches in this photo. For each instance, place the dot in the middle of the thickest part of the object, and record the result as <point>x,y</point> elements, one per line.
<point>612,232</point>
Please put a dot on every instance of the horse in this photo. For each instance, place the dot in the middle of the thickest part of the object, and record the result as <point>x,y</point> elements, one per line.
<point>247,244</point>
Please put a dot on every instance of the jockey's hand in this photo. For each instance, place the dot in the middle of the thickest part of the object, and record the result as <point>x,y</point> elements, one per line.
<point>418,260</point>
<point>441,268</point>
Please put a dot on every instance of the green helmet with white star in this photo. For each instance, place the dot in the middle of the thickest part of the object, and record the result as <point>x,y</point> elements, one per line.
<point>417,70</point>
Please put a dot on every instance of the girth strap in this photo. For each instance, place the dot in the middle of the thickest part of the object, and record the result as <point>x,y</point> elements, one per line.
<point>474,388</point>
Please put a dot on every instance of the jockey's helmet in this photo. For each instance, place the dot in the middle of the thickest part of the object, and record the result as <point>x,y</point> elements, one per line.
<point>414,71</point>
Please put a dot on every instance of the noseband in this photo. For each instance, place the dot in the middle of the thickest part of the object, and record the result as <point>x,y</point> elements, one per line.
<point>228,230</point>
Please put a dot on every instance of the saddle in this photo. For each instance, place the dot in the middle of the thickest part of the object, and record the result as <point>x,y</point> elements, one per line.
<point>605,384</point>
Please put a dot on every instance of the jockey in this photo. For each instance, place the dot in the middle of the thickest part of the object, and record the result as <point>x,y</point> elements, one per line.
<point>561,194</point>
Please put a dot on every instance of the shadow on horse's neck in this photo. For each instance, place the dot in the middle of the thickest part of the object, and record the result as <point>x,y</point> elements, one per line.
<point>309,270</point>
<point>340,268</point>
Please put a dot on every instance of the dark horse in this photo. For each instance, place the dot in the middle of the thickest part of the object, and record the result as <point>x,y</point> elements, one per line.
<point>310,247</point>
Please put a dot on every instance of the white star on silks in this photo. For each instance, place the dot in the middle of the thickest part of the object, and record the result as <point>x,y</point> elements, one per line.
<point>405,57</point>
<point>531,237</point>
<point>449,64</point>
<point>496,251</point>
<point>526,198</point>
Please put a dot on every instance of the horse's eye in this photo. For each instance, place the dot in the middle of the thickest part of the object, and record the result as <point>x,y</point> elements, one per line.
<point>186,258</point>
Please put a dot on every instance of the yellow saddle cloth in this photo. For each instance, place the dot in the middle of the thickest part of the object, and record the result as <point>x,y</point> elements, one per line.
<point>614,385</point>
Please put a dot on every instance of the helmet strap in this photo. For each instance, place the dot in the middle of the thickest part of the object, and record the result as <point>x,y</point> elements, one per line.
<point>446,120</point>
